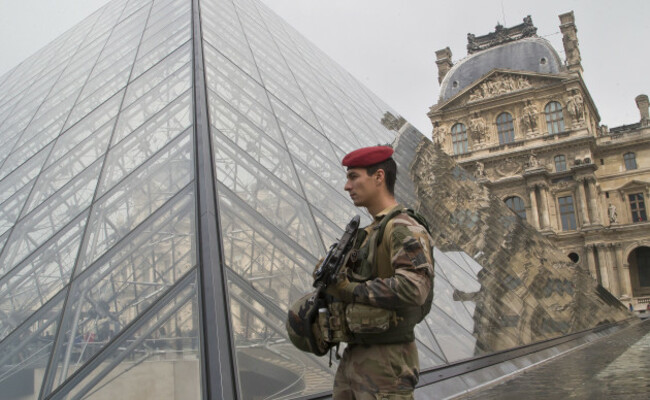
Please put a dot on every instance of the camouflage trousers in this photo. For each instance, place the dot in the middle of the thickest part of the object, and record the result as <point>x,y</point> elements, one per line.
<point>377,372</point>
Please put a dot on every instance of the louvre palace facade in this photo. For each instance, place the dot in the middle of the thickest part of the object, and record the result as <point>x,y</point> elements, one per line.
<point>169,176</point>
<point>522,119</point>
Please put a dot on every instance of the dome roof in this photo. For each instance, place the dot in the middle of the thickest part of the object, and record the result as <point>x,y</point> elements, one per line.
<point>533,54</point>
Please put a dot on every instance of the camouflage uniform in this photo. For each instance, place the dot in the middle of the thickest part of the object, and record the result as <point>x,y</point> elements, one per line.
<point>404,278</point>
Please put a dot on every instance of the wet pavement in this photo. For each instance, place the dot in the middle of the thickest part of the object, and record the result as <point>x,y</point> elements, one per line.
<point>614,367</point>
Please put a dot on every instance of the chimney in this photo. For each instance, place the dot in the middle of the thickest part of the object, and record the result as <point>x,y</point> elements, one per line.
<point>570,42</point>
<point>642,103</point>
<point>443,60</point>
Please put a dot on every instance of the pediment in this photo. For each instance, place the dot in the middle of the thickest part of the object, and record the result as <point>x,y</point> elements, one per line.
<point>633,184</point>
<point>500,82</point>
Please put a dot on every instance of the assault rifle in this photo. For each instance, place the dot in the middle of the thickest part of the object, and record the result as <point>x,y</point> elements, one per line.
<point>335,257</point>
<point>324,275</point>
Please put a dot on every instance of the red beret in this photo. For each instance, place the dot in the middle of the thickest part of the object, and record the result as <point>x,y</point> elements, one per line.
<point>367,156</point>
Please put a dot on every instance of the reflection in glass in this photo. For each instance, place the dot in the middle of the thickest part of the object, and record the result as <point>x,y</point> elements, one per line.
<point>110,294</point>
<point>154,357</point>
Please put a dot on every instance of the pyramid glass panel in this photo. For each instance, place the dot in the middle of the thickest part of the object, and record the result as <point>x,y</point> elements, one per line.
<point>170,175</point>
<point>24,353</point>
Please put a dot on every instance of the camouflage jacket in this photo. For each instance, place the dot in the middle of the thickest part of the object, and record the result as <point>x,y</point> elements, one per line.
<point>404,266</point>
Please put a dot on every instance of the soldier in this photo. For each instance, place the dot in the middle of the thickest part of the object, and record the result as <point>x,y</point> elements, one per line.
<point>388,281</point>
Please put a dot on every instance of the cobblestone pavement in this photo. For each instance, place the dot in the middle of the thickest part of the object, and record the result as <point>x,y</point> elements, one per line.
<point>614,367</point>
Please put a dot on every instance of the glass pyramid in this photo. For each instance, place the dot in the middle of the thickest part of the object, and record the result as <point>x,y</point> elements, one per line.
<point>169,174</point>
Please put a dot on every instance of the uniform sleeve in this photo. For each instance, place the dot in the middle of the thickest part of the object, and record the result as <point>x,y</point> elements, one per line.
<point>413,279</point>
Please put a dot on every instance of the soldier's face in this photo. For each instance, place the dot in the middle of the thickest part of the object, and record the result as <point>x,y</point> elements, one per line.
<point>361,187</point>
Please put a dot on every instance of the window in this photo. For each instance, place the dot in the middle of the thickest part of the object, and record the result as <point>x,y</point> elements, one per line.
<point>554,118</point>
<point>516,204</point>
<point>560,163</point>
<point>567,213</point>
<point>459,138</point>
<point>630,160</point>
<point>505,128</point>
<point>637,206</point>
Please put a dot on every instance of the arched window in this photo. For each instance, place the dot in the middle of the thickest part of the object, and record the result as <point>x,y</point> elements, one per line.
<point>505,128</point>
<point>516,204</point>
<point>459,138</point>
<point>554,118</point>
<point>560,163</point>
<point>630,160</point>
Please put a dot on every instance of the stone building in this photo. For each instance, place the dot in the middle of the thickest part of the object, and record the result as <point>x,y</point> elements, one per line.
<point>524,122</point>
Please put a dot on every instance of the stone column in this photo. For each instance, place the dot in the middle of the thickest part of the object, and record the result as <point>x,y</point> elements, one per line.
<point>612,270</point>
<point>593,201</point>
<point>602,264</point>
<point>591,261</point>
<point>533,206</point>
<point>543,193</point>
<point>582,203</point>
<point>623,271</point>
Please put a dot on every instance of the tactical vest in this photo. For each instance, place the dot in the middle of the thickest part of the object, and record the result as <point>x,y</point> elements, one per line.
<point>360,323</point>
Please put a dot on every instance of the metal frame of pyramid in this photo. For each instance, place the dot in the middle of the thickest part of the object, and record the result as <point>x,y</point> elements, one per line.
<point>168,176</point>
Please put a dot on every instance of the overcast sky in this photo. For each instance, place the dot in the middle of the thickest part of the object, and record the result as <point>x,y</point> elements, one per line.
<point>389,44</point>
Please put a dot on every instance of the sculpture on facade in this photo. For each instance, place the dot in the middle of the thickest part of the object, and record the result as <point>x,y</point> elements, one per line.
<point>529,29</point>
<point>478,128</point>
<point>472,46</point>
<point>480,170</point>
<point>603,130</point>
<point>575,106</point>
<point>498,85</point>
<point>611,212</point>
<point>532,161</point>
<point>437,134</point>
<point>529,117</point>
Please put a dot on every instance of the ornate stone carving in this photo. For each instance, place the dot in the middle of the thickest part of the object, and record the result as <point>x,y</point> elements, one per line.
<point>575,107</point>
<point>472,46</point>
<point>571,48</point>
<point>529,29</point>
<point>478,129</point>
<point>570,40</point>
<point>501,35</point>
<point>480,170</point>
<point>533,162</point>
<point>562,186</point>
<point>497,85</point>
<point>603,130</point>
<point>529,117</point>
<point>508,167</point>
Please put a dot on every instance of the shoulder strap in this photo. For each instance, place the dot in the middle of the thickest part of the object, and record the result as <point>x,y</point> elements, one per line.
<point>378,234</point>
<point>411,213</point>
<point>420,218</point>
